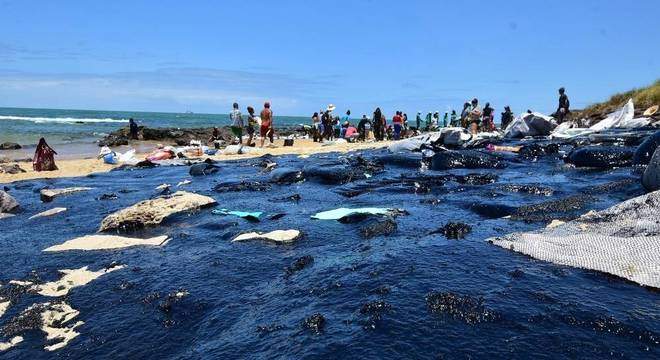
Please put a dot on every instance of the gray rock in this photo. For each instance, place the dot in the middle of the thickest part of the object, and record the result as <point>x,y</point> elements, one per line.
<point>7,203</point>
<point>651,177</point>
<point>9,146</point>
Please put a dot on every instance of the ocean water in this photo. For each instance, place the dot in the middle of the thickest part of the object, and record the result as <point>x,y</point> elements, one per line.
<point>26,126</point>
<point>242,304</point>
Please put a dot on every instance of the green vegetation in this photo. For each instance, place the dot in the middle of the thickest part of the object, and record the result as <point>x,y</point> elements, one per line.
<point>642,97</point>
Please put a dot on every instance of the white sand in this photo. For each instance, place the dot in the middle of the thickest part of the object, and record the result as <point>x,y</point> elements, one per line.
<point>106,242</point>
<point>59,315</point>
<point>277,236</point>
<point>3,307</point>
<point>4,346</point>
<point>72,278</point>
<point>50,212</point>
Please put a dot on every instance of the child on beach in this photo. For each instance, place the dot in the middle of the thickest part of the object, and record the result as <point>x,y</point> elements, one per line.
<point>266,129</point>
<point>237,123</point>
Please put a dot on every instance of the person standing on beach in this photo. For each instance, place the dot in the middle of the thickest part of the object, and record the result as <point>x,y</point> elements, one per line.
<point>418,121</point>
<point>237,123</point>
<point>445,120</point>
<point>266,129</point>
<point>316,127</point>
<point>564,104</point>
<point>453,119</point>
<point>465,114</point>
<point>252,123</point>
<point>429,120</point>
<point>364,128</point>
<point>475,112</point>
<point>345,122</point>
<point>44,159</point>
<point>507,117</point>
<point>397,123</point>
<point>133,129</point>
<point>378,123</point>
<point>487,123</point>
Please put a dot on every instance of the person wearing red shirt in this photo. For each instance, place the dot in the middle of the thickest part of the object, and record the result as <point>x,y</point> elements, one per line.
<point>397,123</point>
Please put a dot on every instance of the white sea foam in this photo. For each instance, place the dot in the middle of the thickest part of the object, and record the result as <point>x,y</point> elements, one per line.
<point>61,120</point>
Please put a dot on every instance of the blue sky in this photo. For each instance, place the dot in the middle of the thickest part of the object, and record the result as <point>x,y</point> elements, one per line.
<point>302,55</point>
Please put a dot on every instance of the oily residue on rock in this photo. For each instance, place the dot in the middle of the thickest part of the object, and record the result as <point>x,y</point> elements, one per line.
<point>461,307</point>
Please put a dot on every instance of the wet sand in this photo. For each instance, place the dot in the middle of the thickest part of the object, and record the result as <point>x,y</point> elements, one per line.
<point>84,165</point>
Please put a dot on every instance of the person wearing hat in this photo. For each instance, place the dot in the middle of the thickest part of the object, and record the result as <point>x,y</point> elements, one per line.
<point>564,104</point>
<point>507,117</point>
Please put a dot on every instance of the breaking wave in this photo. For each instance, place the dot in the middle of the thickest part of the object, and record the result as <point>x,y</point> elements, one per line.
<point>61,120</point>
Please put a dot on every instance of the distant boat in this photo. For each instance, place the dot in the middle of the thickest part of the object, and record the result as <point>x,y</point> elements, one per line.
<point>189,112</point>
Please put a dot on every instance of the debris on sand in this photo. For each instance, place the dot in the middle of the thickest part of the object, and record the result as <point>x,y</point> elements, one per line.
<point>71,279</point>
<point>279,236</point>
<point>461,307</point>
<point>622,240</point>
<point>47,195</point>
<point>50,212</point>
<point>315,322</point>
<point>11,169</point>
<point>106,242</point>
<point>153,212</point>
<point>454,230</point>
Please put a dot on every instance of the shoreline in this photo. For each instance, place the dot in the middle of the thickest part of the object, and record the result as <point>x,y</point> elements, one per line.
<point>85,165</point>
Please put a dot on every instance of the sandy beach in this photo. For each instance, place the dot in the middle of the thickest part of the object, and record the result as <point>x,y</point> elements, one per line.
<point>71,167</point>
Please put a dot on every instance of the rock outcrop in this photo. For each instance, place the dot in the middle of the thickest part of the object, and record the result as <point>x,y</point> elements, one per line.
<point>47,195</point>
<point>9,146</point>
<point>154,211</point>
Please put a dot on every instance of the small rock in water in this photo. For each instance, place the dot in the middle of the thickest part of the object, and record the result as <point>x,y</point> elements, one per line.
<point>386,226</point>
<point>315,323</point>
<point>276,216</point>
<point>299,264</point>
<point>110,196</point>
<point>9,146</point>
<point>454,230</point>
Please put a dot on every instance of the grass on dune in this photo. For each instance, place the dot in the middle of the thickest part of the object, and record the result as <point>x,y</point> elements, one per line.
<point>643,98</point>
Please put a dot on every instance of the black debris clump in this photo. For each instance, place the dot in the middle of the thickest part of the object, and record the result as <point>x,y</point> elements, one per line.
<point>461,307</point>
<point>315,323</point>
<point>454,230</point>
<point>298,265</point>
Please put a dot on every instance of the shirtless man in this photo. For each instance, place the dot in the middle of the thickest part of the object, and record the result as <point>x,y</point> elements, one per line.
<point>266,129</point>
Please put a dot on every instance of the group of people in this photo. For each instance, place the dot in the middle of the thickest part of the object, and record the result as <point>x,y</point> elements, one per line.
<point>264,122</point>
